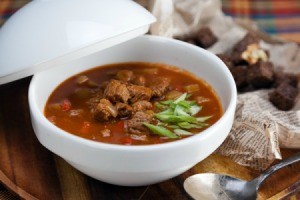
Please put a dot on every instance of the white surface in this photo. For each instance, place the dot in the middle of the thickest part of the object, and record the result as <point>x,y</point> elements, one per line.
<point>47,33</point>
<point>136,165</point>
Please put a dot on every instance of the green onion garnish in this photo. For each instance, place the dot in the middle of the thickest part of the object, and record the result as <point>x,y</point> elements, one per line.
<point>179,115</point>
<point>182,132</point>
<point>160,130</point>
<point>203,119</point>
<point>187,125</point>
<point>180,98</point>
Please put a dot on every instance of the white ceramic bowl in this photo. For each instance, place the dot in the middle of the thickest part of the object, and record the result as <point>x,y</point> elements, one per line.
<point>136,165</point>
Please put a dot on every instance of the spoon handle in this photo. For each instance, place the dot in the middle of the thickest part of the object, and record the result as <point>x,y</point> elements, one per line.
<point>293,159</point>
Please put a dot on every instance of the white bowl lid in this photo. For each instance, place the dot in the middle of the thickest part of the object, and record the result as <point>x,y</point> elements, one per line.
<point>47,33</point>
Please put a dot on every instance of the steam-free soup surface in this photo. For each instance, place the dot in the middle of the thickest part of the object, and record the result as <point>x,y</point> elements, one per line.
<point>133,104</point>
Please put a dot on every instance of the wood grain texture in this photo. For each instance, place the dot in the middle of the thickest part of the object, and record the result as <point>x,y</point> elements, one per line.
<point>33,172</point>
<point>292,191</point>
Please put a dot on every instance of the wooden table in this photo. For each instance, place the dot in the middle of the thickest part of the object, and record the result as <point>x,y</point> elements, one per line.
<point>32,172</point>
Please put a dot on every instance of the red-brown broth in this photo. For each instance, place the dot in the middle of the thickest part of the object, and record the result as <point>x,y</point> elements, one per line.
<point>86,126</point>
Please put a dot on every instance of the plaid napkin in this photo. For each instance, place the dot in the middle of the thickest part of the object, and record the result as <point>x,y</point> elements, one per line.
<point>276,17</point>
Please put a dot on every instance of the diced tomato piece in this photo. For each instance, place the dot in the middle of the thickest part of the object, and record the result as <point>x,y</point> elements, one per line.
<point>65,105</point>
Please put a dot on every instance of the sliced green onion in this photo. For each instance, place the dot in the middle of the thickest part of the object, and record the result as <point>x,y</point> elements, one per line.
<point>187,125</point>
<point>166,112</point>
<point>176,119</point>
<point>181,98</point>
<point>159,130</point>
<point>160,123</point>
<point>184,104</point>
<point>162,117</point>
<point>193,110</point>
<point>202,124</point>
<point>177,114</point>
<point>203,119</point>
<point>172,106</point>
<point>182,119</point>
<point>173,126</point>
<point>179,110</point>
<point>182,132</point>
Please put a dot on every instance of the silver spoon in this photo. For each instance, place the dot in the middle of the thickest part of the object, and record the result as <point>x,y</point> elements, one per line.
<point>221,187</point>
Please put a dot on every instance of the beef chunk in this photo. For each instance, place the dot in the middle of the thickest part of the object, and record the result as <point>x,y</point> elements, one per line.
<point>124,110</point>
<point>241,46</point>
<point>139,80</point>
<point>205,38</point>
<point>125,75</point>
<point>135,125</point>
<point>97,94</point>
<point>159,86</point>
<point>226,59</point>
<point>239,74</point>
<point>141,106</point>
<point>93,102</point>
<point>83,80</point>
<point>116,91</point>
<point>283,97</point>
<point>260,75</point>
<point>104,110</point>
<point>103,85</point>
<point>280,77</point>
<point>138,93</point>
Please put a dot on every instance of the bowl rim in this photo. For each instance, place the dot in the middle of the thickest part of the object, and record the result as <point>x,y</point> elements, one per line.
<point>41,119</point>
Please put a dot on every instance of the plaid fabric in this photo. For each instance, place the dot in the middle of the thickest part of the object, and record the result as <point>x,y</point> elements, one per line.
<point>276,17</point>
<point>8,7</point>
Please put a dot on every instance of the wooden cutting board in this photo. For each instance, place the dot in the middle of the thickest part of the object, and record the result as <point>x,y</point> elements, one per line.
<point>32,172</point>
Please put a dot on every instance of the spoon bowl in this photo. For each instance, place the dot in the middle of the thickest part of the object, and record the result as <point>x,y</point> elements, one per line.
<point>210,186</point>
<point>221,187</point>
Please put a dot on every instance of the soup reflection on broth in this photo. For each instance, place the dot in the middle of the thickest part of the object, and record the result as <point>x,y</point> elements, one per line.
<point>133,104</point>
